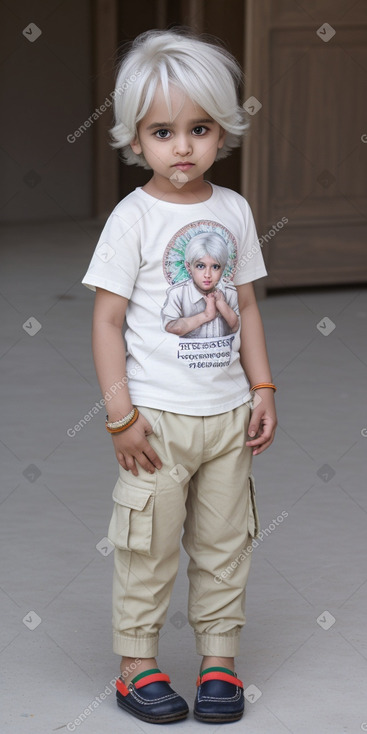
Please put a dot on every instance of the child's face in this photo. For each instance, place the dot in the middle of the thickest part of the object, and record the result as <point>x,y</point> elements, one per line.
<point>206,273</point>
<point>192,138</point>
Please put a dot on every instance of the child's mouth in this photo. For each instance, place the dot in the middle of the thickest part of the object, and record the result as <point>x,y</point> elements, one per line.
<point>183,166</point>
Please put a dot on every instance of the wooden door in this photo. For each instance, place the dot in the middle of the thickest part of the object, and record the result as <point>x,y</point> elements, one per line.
<point>304,160</point>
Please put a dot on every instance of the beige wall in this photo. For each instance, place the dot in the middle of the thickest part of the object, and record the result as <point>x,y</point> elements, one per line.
<point>46,93</point>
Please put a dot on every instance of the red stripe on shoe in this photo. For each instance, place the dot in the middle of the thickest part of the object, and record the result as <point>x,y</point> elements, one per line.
<point>218,675</point>
<point>120,685</point>
<point>154,678</point>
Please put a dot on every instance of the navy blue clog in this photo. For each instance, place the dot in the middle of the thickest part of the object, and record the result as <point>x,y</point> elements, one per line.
<point>219,696</point>
<point>150,698</point>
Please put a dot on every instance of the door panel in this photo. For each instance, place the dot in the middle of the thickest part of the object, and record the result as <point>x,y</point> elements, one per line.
<point>305,158</point>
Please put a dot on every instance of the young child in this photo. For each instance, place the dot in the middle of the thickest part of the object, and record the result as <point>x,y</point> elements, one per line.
<point>200,305</point>
<point>180,404</point>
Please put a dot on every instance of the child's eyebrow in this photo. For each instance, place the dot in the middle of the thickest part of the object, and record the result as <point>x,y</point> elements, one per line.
<point>171,124</point>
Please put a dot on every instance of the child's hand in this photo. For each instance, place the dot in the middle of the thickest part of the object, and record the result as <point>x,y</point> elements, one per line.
<point>211,309</point>
<point>219,296</point>
<point>263,422</point>
<point>131,445</point>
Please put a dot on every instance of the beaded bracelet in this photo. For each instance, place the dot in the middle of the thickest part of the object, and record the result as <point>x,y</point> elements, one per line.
<point>124,423</point>
<point>263,384</point>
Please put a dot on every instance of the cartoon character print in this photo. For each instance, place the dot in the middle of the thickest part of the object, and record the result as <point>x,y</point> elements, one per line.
<point>201,302</point>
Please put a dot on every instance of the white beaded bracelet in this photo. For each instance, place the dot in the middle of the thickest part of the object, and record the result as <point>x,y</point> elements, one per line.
<point>122,422</point>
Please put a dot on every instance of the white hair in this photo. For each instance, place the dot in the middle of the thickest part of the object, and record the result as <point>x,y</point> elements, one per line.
<point>207,243</point>
<point>207,73</point>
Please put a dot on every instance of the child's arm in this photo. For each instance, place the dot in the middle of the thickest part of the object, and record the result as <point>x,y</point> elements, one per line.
<point>226,311</point>
<point>255,362</point>
<point>185,324</point>
<point>110,363</point>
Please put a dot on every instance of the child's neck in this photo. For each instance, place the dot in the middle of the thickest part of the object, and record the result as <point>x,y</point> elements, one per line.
<point>192,192</point>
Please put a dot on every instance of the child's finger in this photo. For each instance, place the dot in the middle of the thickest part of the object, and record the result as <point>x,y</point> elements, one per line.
<point>254,442</point>
<point>130,465</point>
<point>265,436</point>
<point>145,463</point>
<point>259,440</point>
<point>254,426</point>
<point>262,448</point>
<point>262,443</point>
<point>121,461</point>
<point>152,456</point>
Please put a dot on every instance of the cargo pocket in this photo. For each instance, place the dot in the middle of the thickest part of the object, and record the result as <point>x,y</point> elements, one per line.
<point>253,515</point>
<point>131,523</point>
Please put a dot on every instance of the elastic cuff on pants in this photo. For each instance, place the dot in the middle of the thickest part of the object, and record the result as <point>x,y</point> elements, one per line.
<point>226,645</point>
<point>143,646</point>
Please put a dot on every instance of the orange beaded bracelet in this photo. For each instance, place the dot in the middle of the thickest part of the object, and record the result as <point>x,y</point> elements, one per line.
<point>263,384</point>
<point>123,426</point>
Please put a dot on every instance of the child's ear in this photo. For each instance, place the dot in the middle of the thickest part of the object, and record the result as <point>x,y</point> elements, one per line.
<point>135,146</point>
<point>222,137</point>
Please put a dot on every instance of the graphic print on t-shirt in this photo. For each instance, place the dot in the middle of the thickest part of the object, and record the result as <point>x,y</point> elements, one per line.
<point>201,304</point>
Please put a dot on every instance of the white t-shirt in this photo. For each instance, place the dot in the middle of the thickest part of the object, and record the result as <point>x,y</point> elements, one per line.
<point>141,255</point>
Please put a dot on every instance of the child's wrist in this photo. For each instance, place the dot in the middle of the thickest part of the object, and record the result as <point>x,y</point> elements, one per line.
<point>117,412</point>
<point>263,386</point>
<point>205,318</point>
<point>123,423</point>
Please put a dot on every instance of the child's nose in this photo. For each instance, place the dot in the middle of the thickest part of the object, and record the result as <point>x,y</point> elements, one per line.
<point>182,145</point>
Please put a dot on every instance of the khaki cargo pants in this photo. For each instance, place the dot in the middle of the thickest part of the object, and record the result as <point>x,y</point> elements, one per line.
<point>205,487</point>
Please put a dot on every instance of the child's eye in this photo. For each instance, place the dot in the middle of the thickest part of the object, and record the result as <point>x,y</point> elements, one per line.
<point>165,134</point>
<point>200,130</point>
<point>216,267</point>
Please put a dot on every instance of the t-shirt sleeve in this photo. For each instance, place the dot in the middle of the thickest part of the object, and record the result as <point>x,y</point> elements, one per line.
<point>172,307</point>
<point>250,265</point>
<point>116,259</point>
<point>232,299</point>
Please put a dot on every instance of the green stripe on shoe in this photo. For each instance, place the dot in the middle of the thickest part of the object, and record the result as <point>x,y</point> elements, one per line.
<point>145,672</point>
<point>216,668</point>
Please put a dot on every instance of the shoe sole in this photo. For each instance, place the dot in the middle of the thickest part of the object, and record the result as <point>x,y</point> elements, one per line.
<point>219,718</point>
<point>167,719</point>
